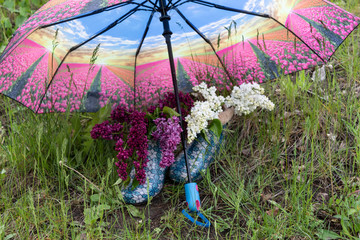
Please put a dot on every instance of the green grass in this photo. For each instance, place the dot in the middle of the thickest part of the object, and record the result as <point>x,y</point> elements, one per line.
<point>293,173</point>
<point>12,14</point>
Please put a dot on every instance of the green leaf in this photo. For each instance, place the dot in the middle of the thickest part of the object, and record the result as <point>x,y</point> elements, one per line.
<point>10,236</point>
<point>117,182</point>
<point>94,188</point>
<point>96,118</point>
<point>103,207</point>
<point>90,216</point>
<point>204,135</point>
<point>352,211</point>
<point>327,235</point>
<point>127,181</point>
<point>10,5</point>
<point>2,47</point>
<point>344,218</point>
<point>105,112</point>
<point>36,3</point>
<point>150,117</point>
<point>157,112</point>
<point>119,195</point>
<point>95,198</point>
<point>19,20</point>
<point>151,130</point>
<point>170,112</point>
<point>153,116</point>
<point>6,22</point>
<point>80,189</point>
<point>216,127</point>
<point>23,11</point>
<point>135,183</point>
<point>134,211</point>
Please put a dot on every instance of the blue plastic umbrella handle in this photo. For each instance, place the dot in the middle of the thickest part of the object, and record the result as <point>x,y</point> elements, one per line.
<point>193,203</point>
<point>206,222</point>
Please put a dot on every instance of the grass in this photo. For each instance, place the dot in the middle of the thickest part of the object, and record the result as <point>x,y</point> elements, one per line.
<point>12,14</point>
<point>293,173</point>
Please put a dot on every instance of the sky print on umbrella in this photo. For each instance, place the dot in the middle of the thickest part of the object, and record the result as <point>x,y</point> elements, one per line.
<point>252,48</point>
<point>56,10</point>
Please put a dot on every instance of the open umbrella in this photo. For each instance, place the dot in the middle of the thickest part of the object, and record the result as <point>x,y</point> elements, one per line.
<point>82,54</point>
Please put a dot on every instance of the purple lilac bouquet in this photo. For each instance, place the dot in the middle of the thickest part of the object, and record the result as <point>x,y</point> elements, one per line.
<point>130,130</point>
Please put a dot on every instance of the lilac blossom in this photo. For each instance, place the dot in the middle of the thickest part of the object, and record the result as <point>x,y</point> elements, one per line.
<point>102,130</point>
<point>107,131</point>
<point>120,114</point>
<point>122,170</point>
<point>168,134</point>
<point>116,130</point>
<point>138,142</point>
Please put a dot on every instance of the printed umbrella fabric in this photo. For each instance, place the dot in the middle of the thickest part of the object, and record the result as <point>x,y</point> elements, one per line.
<point>81,55</point>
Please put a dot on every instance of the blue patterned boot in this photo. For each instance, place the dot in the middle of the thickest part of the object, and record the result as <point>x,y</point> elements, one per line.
<point>155,175</point>
<point>200,156</point>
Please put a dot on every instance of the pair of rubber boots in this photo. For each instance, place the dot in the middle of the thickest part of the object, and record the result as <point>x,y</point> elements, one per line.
<point>200,155</point>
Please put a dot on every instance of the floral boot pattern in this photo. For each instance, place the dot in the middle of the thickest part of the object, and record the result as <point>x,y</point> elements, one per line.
<point>155,176</point>
<point>200,156</point>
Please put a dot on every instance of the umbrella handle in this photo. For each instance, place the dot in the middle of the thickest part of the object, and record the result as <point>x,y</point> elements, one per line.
<point>193,203</point>
<point>206,222</point>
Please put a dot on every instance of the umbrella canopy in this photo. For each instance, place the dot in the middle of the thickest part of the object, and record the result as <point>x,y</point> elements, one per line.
<point>82,54</point>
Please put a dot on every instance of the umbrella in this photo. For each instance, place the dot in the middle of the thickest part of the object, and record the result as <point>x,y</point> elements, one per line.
<point>80,55</point>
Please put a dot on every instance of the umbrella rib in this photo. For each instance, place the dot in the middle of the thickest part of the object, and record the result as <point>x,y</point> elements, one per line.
<point>97,12</point>
<point>63,21</point>
<point>112,25</point>
<point>168,4</point>
<point>142,5</point>
<point>208,4</point>
<point>205,39</point>
<point>140,45</point>
<point>88,14</point>
<point>154,4</point>
<point>178,1</point>
<point>145,32</point>
<point>12,48</point>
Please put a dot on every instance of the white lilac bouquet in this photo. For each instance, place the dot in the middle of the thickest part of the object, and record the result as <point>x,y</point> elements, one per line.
<point>246,98</point>
<point>203,111</point>
<point>204,114</point>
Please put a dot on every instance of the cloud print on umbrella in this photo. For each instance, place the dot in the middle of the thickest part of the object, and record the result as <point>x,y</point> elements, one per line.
<point>81,63</point>
<point>56,10</point>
